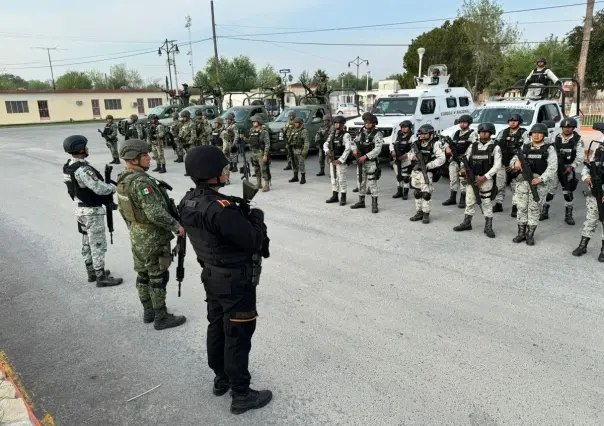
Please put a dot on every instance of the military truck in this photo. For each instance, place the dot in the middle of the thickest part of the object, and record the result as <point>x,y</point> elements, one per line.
<point>312,116</point>
<point>210,110</point>
<point>244,113</point>
<point>162,111</point>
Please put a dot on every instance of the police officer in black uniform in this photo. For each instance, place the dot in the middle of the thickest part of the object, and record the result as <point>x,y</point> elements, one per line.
<point>229,240</point>
<point>402,163</point>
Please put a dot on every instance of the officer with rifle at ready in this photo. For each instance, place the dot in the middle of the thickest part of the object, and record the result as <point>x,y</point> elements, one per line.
<point>400,150</point>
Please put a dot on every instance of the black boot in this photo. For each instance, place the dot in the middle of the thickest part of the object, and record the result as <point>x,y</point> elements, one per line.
<point>303,179</point>
<point>399,193</point>
<point>488,227</point>
<point>426,218</point>
<point>544,213</point>
<point>521,233</point>
<point>289,166</point>
<point>568,217</point>
<point>334,198</point>
<point>514,210</point>
<point>343,199</point>
<point>250,400</point>
<point>452,200</point>
<point>116,160</point>
<point>92,274</point>
<point>221,385</point>
<point>359,204</point>
<point>417,216</point>
<point>355,190</point>
<point>163,168</point>
<point>466,225</point>
<point>601,256</point>
<point>148,311</point>
<point>157,169</point>
<point>405,193</point>
<point>497,208</point>
<point>374,204</point>
<point>105,280</point>
<point>462,201</point>
<point>295,178</point>
<point>179,159</point>
<point>322,172</point>
<point>167,320</point>
<point>530,235</point>
<point>582,249</point>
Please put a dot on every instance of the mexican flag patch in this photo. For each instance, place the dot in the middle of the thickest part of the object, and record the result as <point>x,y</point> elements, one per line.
<point>146,191</point>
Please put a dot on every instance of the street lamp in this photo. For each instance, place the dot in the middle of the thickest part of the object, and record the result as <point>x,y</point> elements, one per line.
<point>170,46</point>
<point>420,52</point>
<point>358,61</point>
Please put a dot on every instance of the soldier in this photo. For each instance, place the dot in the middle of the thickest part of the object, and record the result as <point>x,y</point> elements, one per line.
<point>222,140</point>
<point>218,96</point>
<point>570,151</point>
<point>229,239</point>
<point>203,128</point>
<point>188,132</point>
<point>434,157</point>
<point>85,185</point>
<point>279,92</point>
<point>320,138</point>
<point>364,117</point>
<point>260,145</point>
<point>338,147</point>
<point>157,134</point>
<point>543,163</point>
<point>321,91</point>
<point>134,129</point>
<point>509,140</point>
<point>540,75</point>
<point>234,135</point>
<point>287,129</point>
<point>399,149</point>
<point>175,130</point>
<point>298,142</point>
<point>366,148</point>
<point>592,174</point>
<point>484,159</point>
<point>110,133</point>
<point>462,139</point>
<point>151,219</point>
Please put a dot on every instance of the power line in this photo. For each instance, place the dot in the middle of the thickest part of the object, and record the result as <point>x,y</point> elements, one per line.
<point>76,39</point>
<point>82,57</point>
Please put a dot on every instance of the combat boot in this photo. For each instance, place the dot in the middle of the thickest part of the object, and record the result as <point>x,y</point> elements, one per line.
<point>425,218</point>
<point>105,280</point>
<point>116,160</point>
<point>148,311</point>
<point>582,249</point>
<point>163,168</point>
<point>399,193</point>
<point>601,256</point>
<point>488,227</point>
<point>258,182</point>
<point>303,179</point>
<point>343,199</point>
<point>418,216</point>
<point>295,178</point>
<point>405,193</point>
<point>250,400</point>
<point>497,208</point>
<point>92,274</point>
<point>289,166</point>
<point>179,159</point>
<point>334,197</point>
<point>355,190</point>
<point>359,204</point>
<point>544,215</point>
<point>267,186</point>
<point>452,200</point>
<point>221,385</point>
<point>462,200</point>
<point>530,235</point>
<point>164,320</point>
<point>374,205</point>
<point>157,169</point>
<point>521,233</point>
<point>514,210</point>
<point>568,217</point>
<point>466,225</point>
<point>322,172</point>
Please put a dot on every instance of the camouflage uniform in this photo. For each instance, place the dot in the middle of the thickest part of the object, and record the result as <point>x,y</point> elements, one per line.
<point>506,139</point>
<point>369,169</point>
<point>287,129</point>
<point>111,140</point>
<point>157,136</point>
<point>260,144</point>
<point>175,130</point>
<point>187,134</point>
<point>299,144</point>
<point>203,130</point>
<point>320,138</point>
<point>221,139</point>
<point>321,91</point>
<point>233,155</point>
<point>340,142</point>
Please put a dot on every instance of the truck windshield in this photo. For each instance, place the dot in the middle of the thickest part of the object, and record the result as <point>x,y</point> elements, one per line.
<point>399,106</point>
<point>284,116</point>
<point>157,110</point>
<point>501,115</point>
<point>240,113</point>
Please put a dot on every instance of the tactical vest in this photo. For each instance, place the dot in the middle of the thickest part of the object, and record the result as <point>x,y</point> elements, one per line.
<point>462,142</point>
<point>296,139</point>
<point>366,143</point>
<point>210,248</point>
<point>323,134</point>
<point>427,151</point>
<point>597,165</point>
<point>539,76</point>
<point>567,148</point>
<point>481,161</point>
<point>509,142</point>
<point>254,139</point>
<point>130,211</point>
<point>86,195</point>
<point>216,141</point>
<point>536,158</point>
<point>402,145</point>
<point>338,144</point>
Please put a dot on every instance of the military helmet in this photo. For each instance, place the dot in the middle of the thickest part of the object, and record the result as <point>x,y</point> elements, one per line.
<point>205,162</point>
<point>327,118</point>
<point>174,115</point>
<point>372,119</point>
<point>406,123</point>
<point>132,117</point>
<point>219,120</point>
<point>109,117</point>
<point>298,120</point>
<point>339,119</point>
<point>539,128</point>
<point>153,117</point>
<point>568,122</point>
<point>465,119</point>
<point>230,116</point>
<point>542,59</point>
<point>366,116</point>
<point>185,114</point>
<point>292,114</point>
<point>198,112</point>
<point>515,117</point>
<point>131,148</point>
<point>425,128</point>
<point>487,127</point>
<point>257,118</point>
<point>75,144</point>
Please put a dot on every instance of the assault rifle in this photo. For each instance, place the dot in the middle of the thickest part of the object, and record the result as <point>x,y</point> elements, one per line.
<point>471,179</point>
<point>420,160</point>
<point>105,132</point>
<point>110,205</point>
<point>180,249</point>
<point>332,149</point>
<point>452,147</point>
<point>397,161</point>
<point>596,178</point>
<point>526,172</point>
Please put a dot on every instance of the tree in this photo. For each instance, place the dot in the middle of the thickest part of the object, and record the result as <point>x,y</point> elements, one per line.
<point>120,76</point>
<point>74,80</point>
<point>39,85</point>
<point>12,82</point>
<point>317,74</point>
<point>236,75</point>
<point>304,78</point>
<point>594,73</point>
<point>99,79</point>
<point>154,83</point>
<point>405,80</point>
<point>267,77</point>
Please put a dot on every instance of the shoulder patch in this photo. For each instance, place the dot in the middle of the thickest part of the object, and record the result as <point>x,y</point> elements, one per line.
<point>90,173</point>
<point>146,191</point>
<point>224,203</point>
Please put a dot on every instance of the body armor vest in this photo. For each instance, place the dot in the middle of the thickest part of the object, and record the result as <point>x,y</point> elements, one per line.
<point>129,210</point>
<point>509,143</point>
<point>338,144</point>
<point>539,76</point>
<point>366,143</point>
<point>85,195</point>
<point>216,141</point>
<point>296,139</point>
<point>254,139</point>
<point>402,145</point>
<point>536,158</point>
<point>567,148</point>
<point>427,151</point>
<point>597,165</point>
<point>462,141</point>
<point>481,161</point>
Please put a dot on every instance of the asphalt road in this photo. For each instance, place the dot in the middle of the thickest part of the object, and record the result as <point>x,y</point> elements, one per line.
<point>364,319</point>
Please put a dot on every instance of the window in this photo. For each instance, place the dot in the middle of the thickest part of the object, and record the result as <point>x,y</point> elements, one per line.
<point>553,112</point>
<point>43,110</point>
<point>210,113</point>
<point>451,102</point>
<point>428,106</point>
<point>113,104</point>
<point>16,107</point>
<point>464,101</point>
<point>153,102</point>
<point>96,109</point>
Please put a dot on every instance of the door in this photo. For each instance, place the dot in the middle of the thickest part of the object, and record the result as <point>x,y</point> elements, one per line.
<point>96,109</point>
<point>43,110</point>
<point>429,113</point>
<point>141,106</point>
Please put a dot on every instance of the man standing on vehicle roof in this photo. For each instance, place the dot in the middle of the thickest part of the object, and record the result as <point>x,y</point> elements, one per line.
<point>366,148</point>
<point>321,91</point>
<point>279,92</point>
<point>218,96</point>
<point>287,129</point>
<point>399,150</point>
<point>509,140</point>
<point>541,75</point>
<point>570,150</point>
<point>462,139</point>
<point>320,138</point>
<point>298,142</point>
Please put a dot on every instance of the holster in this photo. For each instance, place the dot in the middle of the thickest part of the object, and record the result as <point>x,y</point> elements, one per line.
<point>81,229</point>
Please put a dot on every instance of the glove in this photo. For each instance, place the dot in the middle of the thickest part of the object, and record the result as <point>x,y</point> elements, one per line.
<point>257,214</point>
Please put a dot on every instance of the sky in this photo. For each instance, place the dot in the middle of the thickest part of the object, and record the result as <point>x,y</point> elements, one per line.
<point>131,31</point>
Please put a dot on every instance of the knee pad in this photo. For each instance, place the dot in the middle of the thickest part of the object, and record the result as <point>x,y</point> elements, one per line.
<point>160,281</point>
<point>568,197</point>
<point>406,179</point>
<point>142,278</point>
<point>417,194</point>
<point>426,196</point>
<point>549,197</point>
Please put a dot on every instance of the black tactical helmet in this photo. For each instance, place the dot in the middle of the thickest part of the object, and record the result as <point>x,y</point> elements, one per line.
<point>230,116</point>
<point>569,122</point>
<point>75,144</point>
<point>539,128</point>
<point>372,119</point>
<point>487,127</point>
<point>298,120</point>
<point>515,117</point>
<point>185,114</point>
<point>174,115</point>
<point>130,148</point>
<point>426,128</point>
<point>198,113</point>
<point>406,123</point>
<point>542,59</point>
<point>205,162</point>
<point>366,116</point>
<point>339,119</point>
<point>257,118</point>
<point>465,119</point>
<point>109,117</point>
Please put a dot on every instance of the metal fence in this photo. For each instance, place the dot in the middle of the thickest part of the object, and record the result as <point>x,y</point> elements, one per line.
<point>591,112</point>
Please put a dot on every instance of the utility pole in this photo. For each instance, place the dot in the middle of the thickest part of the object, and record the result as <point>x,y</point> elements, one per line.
<point>215,45</point>
<point>52,75</point>
<point>358,61</point>
<point>190,52</point>
<point>170,46</point>
<point>587,27</point>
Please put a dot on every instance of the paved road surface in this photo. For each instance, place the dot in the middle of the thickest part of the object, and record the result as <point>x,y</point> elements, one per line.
<point>364,319</point>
